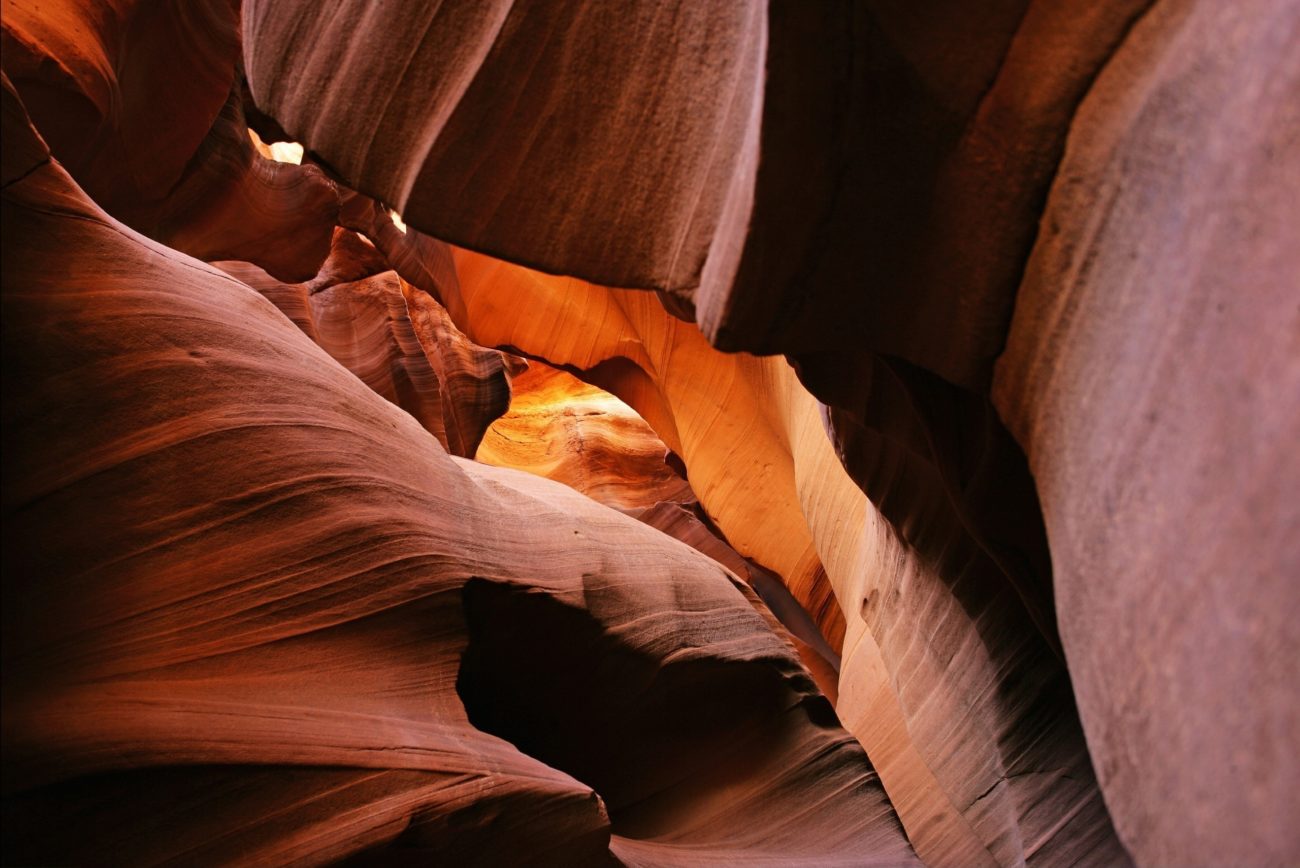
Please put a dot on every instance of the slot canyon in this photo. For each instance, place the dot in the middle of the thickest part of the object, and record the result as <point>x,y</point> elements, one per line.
<point>651,433</point>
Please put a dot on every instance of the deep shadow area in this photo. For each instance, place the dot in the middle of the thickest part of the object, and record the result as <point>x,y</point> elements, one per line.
<point>938,463</point>
<point>579,695</point>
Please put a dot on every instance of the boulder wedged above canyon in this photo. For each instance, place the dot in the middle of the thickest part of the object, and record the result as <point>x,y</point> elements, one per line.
<point>286,626</point>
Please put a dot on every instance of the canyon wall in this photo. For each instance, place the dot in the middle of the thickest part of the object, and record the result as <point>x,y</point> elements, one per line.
<point>324,632</point>
<point>958,346</point>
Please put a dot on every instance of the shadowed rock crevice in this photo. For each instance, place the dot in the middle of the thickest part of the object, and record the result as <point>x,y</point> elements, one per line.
<point>565,688</point>
<point>1034,262</point>
<point>938,463</point>
<point>237,814</point>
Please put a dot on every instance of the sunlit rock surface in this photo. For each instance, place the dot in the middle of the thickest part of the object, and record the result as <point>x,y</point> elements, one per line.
<point>573,432</point>
<point>1018,779</point>
<point>570,431</point>
<point>1019,487</point>
<point>330,595</point>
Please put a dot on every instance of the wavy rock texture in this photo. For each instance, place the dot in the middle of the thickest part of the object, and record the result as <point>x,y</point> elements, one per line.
<point>1152,374</point>
<point>930,455</point>
<point>1032,265</point>
<point>573,432</point>
<point>822,660</point>
<point>286,628</point>
<point>567,430</point>
<point>396,339</point>
<point>1016,784</point>
<point>916,146</point>
<point>140,101</point>
<point>722,413</point>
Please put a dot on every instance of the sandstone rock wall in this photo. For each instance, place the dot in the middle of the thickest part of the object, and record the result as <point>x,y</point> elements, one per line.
<point>322,635</point>
<point>1017,474</point>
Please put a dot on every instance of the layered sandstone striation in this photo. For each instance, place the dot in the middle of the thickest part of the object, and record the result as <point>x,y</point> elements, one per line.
<point>304,626</point>
<point>1018,780</point>
<point>565,429</point>
<point>397,340</point>
<point>573,432</point>
<point>880,238</point>
<point>1015,478</point>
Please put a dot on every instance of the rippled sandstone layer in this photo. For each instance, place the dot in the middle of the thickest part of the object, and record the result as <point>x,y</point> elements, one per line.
<point>1020,491</point>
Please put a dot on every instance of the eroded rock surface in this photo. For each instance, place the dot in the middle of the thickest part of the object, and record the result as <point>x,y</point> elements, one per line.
<point>1021,489</point>
<point>1152,373</point>
<point>398,340</point>
<point>570,431</point>
<point>309,600</point>
<point>140,101</point>
<point>1017,781</point>
<point>880,238</point>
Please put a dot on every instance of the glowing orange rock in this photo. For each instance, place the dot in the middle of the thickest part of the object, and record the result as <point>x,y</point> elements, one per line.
<point>245,592</point>
<point>564,429</point>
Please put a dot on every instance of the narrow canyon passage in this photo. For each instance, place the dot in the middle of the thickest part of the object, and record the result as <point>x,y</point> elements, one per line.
<point>760,433</point>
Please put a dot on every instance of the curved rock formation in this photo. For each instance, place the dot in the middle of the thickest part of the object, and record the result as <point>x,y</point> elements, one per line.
<point>304,599</point>
<point>567,430</point>
<point>396,339</point>
<point>767,476</point>
<point>1152,374</point>
<point>916,148</point>
<point>573,432</point>
<point>1032,268</point>
<point>822,660</point>
<point>139,99</point>
<point>724,415</point>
